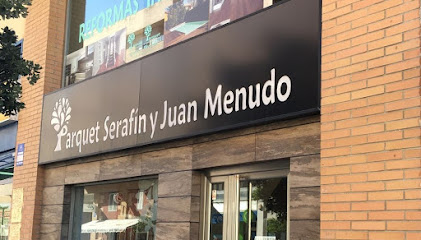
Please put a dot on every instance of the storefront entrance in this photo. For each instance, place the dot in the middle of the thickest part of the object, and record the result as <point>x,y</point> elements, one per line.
<point>254,184</point>
<point>248,203</point>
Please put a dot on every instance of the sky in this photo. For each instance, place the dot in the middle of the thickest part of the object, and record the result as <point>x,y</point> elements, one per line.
<point>95,7</point>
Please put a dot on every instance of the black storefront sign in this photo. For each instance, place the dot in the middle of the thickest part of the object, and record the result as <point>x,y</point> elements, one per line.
<point>262,68</point>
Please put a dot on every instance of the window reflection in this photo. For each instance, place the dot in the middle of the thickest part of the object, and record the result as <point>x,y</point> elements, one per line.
<point>121,211</point>
<point>105,34</point>
<point>263,209</point>
<point>217,211</point>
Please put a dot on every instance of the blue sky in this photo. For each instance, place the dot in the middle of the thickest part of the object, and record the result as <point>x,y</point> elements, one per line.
<point>95,7</point>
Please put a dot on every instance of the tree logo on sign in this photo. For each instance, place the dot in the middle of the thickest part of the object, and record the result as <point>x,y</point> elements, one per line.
<point>60,119</point>
<point>148,32</point>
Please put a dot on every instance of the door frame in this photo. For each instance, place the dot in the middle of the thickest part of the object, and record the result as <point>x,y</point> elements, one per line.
<point>230,176</point>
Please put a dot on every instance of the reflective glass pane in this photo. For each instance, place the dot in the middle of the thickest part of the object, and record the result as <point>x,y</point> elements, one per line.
<point>105,34</point>
<point>119,211</point>
<point>217,211</point>
<point>243,225</point>
<point>263,209</point>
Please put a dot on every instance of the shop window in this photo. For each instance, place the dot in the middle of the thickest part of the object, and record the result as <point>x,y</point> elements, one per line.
<point>4,226</point>
<point>246,206</point>
<point>105,34</point>
<point>118,211</point>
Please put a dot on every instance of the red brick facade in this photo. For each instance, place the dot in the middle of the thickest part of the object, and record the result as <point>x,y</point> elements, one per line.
<point>43,43</point>
<point>370,117</point>
<point>370,132</point>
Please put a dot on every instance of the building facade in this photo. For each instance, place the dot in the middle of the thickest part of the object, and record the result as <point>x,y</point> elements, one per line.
<point>8,131</point>
<point>331,150</point>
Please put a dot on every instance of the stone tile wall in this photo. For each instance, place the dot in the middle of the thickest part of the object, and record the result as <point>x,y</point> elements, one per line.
<point>178,167</point>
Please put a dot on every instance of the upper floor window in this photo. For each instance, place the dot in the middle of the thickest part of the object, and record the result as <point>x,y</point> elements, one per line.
<point>105,34</point>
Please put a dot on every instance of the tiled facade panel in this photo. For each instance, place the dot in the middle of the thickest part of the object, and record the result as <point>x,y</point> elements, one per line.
<point>179,174</point>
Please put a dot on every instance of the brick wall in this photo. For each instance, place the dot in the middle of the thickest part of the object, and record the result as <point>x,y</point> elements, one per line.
<point>44,41</point>
<point>371,167</point>
<point>370,157</point>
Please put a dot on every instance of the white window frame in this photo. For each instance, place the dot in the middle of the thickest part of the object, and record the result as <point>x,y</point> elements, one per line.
<point>112,205</point>
<point>231,179</point>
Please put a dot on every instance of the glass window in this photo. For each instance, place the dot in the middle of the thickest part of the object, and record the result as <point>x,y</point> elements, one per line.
<point>217,211</point>
<point>4,224</point>
<point>250,206</point>
<point>105,34</point>
<point>263,209</point>
<point>112,202</point>
<point>118,211</point>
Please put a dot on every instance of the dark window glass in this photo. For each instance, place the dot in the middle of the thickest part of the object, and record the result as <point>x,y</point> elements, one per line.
<point>263,209</point>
